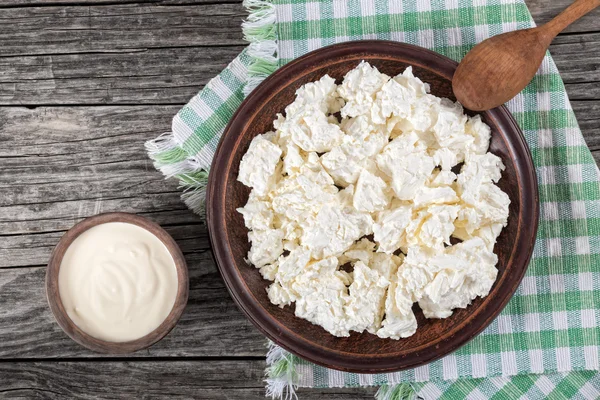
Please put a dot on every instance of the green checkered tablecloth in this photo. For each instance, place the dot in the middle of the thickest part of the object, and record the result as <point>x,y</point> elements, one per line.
<point>545,343</point>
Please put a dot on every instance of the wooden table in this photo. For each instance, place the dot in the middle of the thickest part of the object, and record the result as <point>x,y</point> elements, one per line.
<point>83,84</point>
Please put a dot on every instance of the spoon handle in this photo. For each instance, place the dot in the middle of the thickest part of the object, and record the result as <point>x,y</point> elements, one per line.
<point>571,14</point>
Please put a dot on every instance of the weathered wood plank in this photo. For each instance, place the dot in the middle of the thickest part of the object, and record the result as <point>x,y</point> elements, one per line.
<point>173,76</point>
<point>544,10</point>
<point>62,3</point>
<point>74,153</point>
<point>118,27</point>
<point>59,165</point>
<point>588,116</point>
<point>596,155</point>
<point>210,380</point>
<point>577,43</point>
<point>124,379</point>
<point>583,91</point>
<point>62,131</point>
<point>31,248</point>
<point>578,60</point>
<point>211,325</point>
<point>541,10</point>
<point>133,77</point>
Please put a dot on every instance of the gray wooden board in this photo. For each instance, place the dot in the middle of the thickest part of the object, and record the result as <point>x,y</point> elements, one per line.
<point>173,75</point>
<point>98,78</point>
<point>117,28</point>
<point>197,379</point>
<point>60,3</point>
<point>544,10</point>
<point>211,325</point>
<point>541,10</point>
<point>155,76</point>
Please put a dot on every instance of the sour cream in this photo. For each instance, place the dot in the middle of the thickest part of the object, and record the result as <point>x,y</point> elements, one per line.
<point>117,282</point>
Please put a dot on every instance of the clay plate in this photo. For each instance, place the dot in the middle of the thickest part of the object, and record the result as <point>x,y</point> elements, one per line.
<point>365,353</point>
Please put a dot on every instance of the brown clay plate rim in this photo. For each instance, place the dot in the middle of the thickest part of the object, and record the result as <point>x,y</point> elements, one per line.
<point>67,324</point>
<point>301,346</point>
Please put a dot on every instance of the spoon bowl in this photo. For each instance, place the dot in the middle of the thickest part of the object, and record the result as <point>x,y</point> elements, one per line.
<point>497,69</point>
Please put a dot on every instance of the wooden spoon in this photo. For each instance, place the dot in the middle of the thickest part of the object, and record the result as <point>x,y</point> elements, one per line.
<point>498,68</point>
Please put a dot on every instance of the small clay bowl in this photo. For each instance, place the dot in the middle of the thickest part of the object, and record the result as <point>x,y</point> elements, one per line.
<point>84,339</point>
<point>364,352</point>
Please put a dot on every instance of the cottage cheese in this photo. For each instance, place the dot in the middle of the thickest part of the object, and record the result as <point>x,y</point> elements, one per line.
<point>352,220</point>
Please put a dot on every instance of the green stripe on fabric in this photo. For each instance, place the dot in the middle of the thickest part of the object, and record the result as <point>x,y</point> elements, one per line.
<point>523,382</point>
<point>546,339</point>
<point>230,80</point>
<point>411,22</point>
<point>551,119</point>
<point>171,156</point>
<point>193,178</point>
<point>216,122</point>
<point>460,389</point>
<point>513,389</point>
<point>566,389</point>
<point>548,302</point>
<point>584,263</point>
<point>545,83</point>
<point>562,155</point>
<point>587,191</point>
<point>566,228</point>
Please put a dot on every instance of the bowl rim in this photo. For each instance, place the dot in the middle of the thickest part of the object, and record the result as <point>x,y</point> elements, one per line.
<point>85,339</point>
<point>299,345</point>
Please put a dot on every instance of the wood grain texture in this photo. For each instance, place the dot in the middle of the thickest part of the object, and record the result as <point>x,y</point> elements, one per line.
<point>62,3</point>
<point>570,15</point>
<point>544,10</point>
<point>117,28</point>
<point>578,60</point>
<point>541,10</point>
<point>588,116</point>
<point>173,76</point>
<point>197,379</point>
<point>170,75</point>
